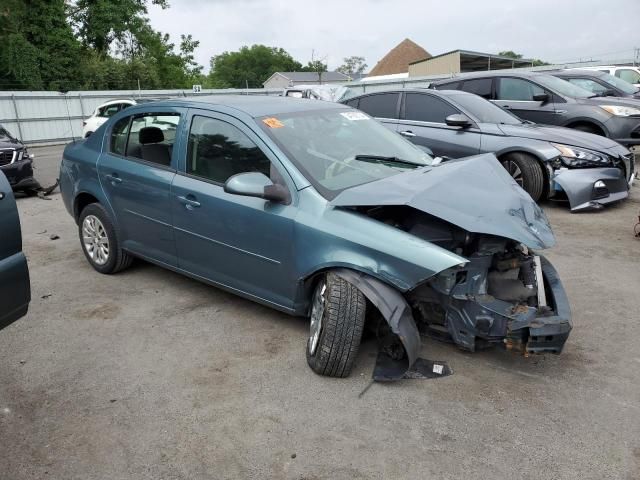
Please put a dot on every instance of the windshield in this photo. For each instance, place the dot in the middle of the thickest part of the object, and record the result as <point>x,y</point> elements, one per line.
<point>5,135</point>
<point>340,148</point>
<point>626,87</point>
<point>563,87</point>
<point>484,110</point>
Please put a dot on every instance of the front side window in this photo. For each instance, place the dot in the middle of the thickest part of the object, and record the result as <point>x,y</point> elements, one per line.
<point>426,108</point>
<point>339,148</point>
<point>218,150</point>
<point>382,105</point>
<point>479,86</point>
<point>517,89</point>
<point>628,75</point>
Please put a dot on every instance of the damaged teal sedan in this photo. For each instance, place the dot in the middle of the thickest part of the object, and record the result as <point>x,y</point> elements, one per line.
<point>317,210</point>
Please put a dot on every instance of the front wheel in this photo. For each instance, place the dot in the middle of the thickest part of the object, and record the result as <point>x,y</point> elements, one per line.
<point>337,320</point>
<point>100,242</point>
<point>526,171</point>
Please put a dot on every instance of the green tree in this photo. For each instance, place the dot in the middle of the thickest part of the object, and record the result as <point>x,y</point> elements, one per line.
<point>352,65</point>
<point>249,66</point>
<point>511,54</point>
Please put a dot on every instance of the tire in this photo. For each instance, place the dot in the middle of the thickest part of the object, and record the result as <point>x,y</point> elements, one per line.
<point>94,218</point>
<point>526,171</point>
<point>340,308</point>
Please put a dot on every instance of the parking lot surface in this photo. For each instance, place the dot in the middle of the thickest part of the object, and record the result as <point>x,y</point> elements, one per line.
<point>148,374</point>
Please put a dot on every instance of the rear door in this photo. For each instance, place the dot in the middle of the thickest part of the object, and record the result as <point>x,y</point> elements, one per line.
<point>15,288</point>
<point>136,169</point>
<point>516,95</point>
<point>423,123</point>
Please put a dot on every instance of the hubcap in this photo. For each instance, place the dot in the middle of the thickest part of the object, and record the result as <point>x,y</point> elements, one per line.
<point>317,313</point>
<point>514,171</point>
<point>95,240</point>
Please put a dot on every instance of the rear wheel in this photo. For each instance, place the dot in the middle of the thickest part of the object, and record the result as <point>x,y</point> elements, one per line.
<point>100,242</point>
<point>337,320</point>
<point>526,171</point>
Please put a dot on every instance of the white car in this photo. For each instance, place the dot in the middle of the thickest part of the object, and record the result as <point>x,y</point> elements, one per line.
<point>102,114</point>
<point>628,74</point>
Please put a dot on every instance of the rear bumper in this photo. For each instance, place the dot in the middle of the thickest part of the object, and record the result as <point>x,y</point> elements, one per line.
<point>592,188</point>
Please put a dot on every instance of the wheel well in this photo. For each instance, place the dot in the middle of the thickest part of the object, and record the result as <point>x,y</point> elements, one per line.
<point>592,126</point>
<point>545,171</point>
<point>81,201</point>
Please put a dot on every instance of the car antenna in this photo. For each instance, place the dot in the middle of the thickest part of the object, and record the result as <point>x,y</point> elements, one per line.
<point>64,92</point>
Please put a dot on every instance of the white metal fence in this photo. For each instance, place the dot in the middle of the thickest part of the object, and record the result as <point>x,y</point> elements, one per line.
<point>52,117</point>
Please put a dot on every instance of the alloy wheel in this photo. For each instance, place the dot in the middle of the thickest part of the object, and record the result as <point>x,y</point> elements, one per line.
<point>317,314</point>
<point>95,240</point>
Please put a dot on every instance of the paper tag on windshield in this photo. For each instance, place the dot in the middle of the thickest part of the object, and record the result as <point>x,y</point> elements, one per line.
<point>354,116</point>
<point>273,122</point>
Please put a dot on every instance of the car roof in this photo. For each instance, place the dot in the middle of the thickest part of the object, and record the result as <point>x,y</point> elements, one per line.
<point>253,105</point>
<point>577,72</point>
<point>491,73</point>
<point>428,91</point>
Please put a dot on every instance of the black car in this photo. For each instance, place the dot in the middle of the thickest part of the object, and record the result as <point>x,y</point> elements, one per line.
<point>543,98</point>
<point>15,288</point>
<point>548,162</point>
<point>599,83</point>
<point>16,163</point>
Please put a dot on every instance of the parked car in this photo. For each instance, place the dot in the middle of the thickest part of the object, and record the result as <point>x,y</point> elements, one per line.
<point>598,83</point>
<point>627,73</point>
<point>15,287</point>
<point>105,111</point>
<point>16,163</point>
<point>546,161</point>
<point>549,100</point>
<point>312,208</point>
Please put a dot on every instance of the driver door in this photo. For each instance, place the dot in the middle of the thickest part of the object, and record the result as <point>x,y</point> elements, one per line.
<point>243,243</point>
<point>516,95</point>
<point>15,287</point>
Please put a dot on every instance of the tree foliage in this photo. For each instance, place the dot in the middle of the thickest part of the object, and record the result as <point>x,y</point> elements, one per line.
<point>511,54</point>
<point>352,65</point>
<point>250,66</point>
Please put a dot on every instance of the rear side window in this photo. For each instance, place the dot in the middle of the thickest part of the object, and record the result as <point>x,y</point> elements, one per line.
<point>382,105</point>
<point>628,75</point>
<point>479,86</point>
<point>427,108</point>
<point>108,111</point>
<point>119,134</point>
<point>517,89</point>
<point>218,150</point>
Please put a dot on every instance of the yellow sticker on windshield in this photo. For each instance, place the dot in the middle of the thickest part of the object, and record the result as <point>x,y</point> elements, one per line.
<point>273,122</point>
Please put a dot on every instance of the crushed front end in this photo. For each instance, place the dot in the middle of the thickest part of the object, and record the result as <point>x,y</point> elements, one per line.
<point>505,295</point>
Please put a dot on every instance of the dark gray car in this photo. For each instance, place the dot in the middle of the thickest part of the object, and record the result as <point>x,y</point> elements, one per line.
<point>599,83</point>
<point>15,288</point>
<point>549,100</point>
<point>547,162</point>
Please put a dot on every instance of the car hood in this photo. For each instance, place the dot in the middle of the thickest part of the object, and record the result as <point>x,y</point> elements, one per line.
<point>566,136</point>
<point>622,101</point>
<point>10,143</point>
<point>474,193</point>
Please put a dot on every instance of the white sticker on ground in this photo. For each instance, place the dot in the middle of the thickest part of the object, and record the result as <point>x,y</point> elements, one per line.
<point>354,116</point>
<point>437,368</point>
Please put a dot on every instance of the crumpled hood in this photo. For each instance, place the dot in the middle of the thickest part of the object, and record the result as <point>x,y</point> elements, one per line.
<point>474,193</point>
<point>566,136</point>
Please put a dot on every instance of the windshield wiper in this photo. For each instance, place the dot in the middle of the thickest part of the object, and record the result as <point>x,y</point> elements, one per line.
<point>381,158</point>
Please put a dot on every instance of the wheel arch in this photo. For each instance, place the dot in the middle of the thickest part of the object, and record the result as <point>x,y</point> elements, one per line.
<point>588,122</point>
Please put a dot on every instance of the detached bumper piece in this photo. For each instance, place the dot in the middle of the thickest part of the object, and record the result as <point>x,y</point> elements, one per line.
<point>592,188</point>
<point>20,175</point>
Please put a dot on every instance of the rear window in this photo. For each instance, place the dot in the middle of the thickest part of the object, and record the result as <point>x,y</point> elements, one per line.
<point>479,86</point>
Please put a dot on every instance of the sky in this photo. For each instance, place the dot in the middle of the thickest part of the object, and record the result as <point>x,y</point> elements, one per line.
<point>556,31</point>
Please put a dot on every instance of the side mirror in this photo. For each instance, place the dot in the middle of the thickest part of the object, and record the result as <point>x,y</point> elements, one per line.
<point>255,184</point>
<point>541,97</point>
<point>458,120</point>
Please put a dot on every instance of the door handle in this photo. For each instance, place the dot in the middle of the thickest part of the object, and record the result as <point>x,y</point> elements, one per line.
<point>408,134</point>
<point>189,202</point>
<point>114,178</point>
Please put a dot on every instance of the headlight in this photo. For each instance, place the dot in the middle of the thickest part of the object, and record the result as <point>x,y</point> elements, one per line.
<point>578,157</point>
<point>620,111</point>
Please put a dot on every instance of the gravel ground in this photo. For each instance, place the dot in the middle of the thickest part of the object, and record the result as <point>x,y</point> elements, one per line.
<point>150,375</point>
